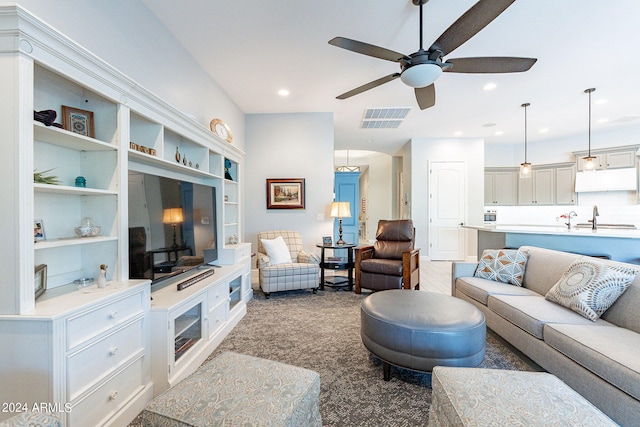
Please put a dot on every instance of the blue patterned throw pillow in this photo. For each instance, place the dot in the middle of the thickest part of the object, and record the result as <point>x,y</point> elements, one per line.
<point>503,265</point>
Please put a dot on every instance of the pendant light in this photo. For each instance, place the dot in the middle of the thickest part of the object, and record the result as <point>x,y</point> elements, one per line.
<point>589,162</point>
<point>525,168</point>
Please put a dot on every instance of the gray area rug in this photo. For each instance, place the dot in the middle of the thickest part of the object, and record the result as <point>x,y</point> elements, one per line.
<point>322,332</point>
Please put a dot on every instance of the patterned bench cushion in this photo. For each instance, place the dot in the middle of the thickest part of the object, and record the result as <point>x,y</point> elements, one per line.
<point>236,389</point>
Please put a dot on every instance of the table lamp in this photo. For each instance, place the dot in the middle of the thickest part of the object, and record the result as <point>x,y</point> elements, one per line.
<point>340,210</point>
<point>172,216</point>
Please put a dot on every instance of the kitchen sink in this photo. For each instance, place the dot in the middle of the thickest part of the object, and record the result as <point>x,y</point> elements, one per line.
<point>608,226</point>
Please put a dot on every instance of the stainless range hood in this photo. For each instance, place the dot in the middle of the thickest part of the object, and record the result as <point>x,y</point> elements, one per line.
<point>624,179</point>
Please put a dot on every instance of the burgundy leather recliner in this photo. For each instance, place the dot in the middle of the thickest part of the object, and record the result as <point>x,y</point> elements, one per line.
<point>391,262</point>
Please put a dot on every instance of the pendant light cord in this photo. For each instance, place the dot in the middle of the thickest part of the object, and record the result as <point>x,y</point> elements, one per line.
<point>589,133</point>
<point>525,105</point>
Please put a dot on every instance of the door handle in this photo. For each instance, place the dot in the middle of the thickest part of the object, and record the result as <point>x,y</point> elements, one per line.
<point>462,223</point>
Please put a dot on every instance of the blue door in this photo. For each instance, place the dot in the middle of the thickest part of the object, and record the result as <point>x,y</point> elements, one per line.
<point>346,187</point>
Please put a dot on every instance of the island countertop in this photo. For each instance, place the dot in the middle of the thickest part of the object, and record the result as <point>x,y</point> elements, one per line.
<point>616,244</point>
<point>557,230</point>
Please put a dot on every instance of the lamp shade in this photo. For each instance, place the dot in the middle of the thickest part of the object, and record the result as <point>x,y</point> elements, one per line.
<point>340,210</point>
<point>172,216</point>
<point>421,75</point>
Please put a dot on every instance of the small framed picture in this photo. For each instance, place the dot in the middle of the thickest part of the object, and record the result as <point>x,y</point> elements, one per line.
<point>38,230</point>
<point>40,279</point>
<point>78,121</point>
<point>285,193</point>
<point>326,241</point>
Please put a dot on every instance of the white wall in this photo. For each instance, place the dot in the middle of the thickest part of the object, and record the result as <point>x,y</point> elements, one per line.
<point>296,145</point>
<point>422,151</point>
<point>126,35</point>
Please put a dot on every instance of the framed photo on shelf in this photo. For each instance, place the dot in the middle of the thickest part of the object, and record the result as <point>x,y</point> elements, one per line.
<point>40,279</point>
<point>326,241</point>
<point>285,193</point>
<point>38,230</point>
<point>78,121</point>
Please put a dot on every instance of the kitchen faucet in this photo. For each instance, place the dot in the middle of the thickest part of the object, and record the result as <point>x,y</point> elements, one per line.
<point>594,222</point>
<point>569,215</point>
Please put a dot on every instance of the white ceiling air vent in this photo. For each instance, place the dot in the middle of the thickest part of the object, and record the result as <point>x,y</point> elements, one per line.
<point>384,118</point>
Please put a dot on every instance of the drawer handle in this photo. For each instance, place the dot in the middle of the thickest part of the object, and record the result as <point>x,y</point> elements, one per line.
<point>113,395</point>
<point>113,351</point>
<point>113,314</point>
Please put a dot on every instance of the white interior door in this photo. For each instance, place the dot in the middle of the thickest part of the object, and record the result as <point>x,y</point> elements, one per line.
<point>447,201</point>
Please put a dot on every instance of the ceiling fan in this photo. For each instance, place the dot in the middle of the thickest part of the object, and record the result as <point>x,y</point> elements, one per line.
<point>420,69</point>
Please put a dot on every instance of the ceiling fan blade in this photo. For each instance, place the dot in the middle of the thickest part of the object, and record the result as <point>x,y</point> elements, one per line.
<point>368,86</point>
<point>426,96</point>
<point>366,49</point>
<point>495,64</point>
<point>473,20</point>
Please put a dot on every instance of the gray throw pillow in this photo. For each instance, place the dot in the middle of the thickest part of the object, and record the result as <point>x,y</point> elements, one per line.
<point>589,287</point>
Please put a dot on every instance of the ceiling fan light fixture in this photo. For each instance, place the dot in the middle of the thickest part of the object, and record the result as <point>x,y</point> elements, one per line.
<point>421,75</point>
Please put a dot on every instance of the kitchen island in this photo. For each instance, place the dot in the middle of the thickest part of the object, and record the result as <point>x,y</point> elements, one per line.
<point>616,244</point>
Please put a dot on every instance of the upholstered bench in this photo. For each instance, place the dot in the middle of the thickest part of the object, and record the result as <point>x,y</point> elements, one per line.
<point>419,330</point>
<point>235,389</point>
<point>484,397</point>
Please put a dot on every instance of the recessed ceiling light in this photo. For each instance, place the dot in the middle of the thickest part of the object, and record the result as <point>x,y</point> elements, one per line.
<point>600,101</point>
<point>498,133</point>
<point>458,133</point>
<point>544,130</point>
<point>283,92</point>
<point>489,86</point>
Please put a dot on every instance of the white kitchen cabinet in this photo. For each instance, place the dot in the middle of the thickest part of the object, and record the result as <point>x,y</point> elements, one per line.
<point>538,189</point>
<point>500,187</point>
<point>565,185</point>
<point>622,159</point>
<point>609,158</point>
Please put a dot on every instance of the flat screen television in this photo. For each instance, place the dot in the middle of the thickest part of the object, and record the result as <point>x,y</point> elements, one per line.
<point>169,219</point>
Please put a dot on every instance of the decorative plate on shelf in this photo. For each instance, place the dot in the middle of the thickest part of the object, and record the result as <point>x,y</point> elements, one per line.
<point>221,129</point>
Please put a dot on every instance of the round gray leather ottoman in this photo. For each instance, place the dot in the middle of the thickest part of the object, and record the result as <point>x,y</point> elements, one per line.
<point>419,330</point>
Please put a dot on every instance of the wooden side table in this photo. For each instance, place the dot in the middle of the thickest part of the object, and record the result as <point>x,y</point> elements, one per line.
<point>337,263</point>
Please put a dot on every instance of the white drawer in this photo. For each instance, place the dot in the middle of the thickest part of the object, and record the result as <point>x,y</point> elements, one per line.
<point>217,295</point>
<point>242,253</point>
<point>87,325</point>
<point>216,318</point>
<point>108,398</point>
<point>101,358</point>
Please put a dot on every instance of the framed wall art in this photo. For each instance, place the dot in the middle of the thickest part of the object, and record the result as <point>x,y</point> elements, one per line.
<point>38,230</point>
<point>40,279</point>
<point>78,121</point>
<point>285,193</point>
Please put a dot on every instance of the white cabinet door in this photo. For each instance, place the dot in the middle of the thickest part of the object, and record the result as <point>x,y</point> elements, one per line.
<point>624,159</point>
<point>537,189</point>
<point>489,182</point>
<point>505,188</point>
<point>599,161</point>
<point>565,186</point>
<point>500,188</point>
<point>525,191</point>
<point>544,182</point>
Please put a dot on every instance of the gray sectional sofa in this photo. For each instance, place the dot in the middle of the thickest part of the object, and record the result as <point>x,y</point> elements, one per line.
<point>600,360</point>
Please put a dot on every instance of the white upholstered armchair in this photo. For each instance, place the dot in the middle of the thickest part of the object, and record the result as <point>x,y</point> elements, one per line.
<point>285,267</point>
